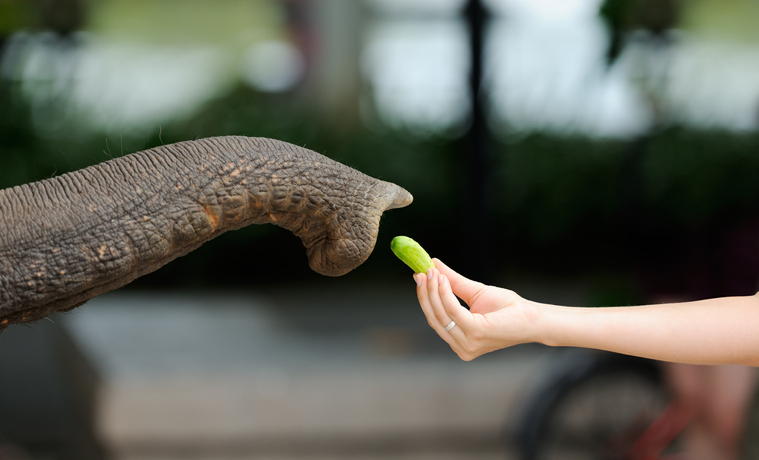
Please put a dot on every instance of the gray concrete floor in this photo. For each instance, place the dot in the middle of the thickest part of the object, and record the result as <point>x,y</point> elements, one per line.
<point>350,373</point>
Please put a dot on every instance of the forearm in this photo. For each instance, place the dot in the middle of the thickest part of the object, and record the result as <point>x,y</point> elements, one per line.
<point>713,331</point>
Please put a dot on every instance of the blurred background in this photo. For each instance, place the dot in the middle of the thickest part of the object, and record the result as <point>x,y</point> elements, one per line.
<point>588,152</point>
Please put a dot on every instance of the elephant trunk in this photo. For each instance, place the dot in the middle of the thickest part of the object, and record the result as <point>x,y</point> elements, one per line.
<point>67,239</point>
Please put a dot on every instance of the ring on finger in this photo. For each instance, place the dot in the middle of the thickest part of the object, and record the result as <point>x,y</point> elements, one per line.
<point>450,326</point>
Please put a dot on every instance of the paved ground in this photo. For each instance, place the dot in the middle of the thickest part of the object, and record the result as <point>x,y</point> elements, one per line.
<point>353,373</point>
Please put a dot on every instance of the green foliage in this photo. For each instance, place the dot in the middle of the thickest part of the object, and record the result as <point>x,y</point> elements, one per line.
<point>555,201</point>
<point>15,15</point>
<point>547,185</point>
<point>695,177</point>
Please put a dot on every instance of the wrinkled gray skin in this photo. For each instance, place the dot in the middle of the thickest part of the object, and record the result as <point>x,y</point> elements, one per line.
<point>67,239</point>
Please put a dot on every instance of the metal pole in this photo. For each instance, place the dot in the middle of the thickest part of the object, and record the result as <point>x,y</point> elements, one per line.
<point>477,233</point>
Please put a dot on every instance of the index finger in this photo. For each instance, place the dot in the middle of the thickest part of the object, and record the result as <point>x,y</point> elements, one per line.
<point>457,312</point>
<point>463,287</point>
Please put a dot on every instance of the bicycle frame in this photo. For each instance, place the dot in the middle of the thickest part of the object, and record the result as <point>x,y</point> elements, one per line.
<point>661,432</point>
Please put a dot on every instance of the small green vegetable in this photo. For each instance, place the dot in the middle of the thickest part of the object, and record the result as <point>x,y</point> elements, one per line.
<point>411,253</point>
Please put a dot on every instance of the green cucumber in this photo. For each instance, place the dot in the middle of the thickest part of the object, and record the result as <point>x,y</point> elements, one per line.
<point>411,253</point>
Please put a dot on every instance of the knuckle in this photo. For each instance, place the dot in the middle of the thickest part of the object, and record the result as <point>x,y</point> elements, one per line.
<point>476,336</point>
<point>471,347</point>
<point>465,356</point>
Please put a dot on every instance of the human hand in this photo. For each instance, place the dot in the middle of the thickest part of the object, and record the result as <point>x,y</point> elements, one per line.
<point>497,318</point>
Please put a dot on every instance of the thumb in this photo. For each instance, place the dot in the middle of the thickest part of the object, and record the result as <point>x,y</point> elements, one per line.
<point>463,287</point>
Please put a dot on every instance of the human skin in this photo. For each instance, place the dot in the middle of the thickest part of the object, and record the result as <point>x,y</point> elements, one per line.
<point>67,239</point>
<point>713,331</point>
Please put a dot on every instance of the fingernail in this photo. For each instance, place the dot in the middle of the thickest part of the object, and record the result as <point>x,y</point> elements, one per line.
<point>440,279</point>
<point>418,279</point>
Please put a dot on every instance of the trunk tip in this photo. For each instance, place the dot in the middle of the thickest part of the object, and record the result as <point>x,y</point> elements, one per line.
<point>397,197</point>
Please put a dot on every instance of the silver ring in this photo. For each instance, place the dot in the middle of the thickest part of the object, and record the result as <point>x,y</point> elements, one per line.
<point>450,326</point>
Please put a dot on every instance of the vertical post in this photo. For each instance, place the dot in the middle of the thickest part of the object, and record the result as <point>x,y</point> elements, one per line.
<point>477,232</point>
<point>335,79</point>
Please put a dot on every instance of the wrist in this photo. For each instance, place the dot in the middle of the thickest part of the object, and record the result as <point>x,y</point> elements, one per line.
<point>544,324</point>
<point>537,315</point>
